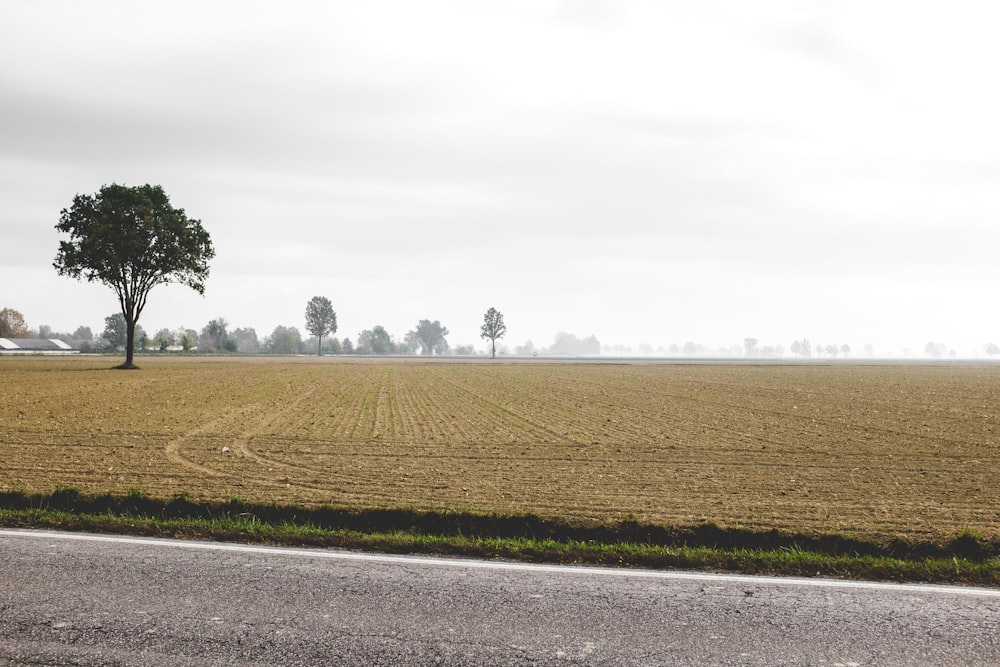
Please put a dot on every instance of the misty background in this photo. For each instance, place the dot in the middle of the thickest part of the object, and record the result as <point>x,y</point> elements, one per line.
<point>651,174</point>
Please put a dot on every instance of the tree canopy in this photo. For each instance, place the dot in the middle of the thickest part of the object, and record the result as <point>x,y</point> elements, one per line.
<point>320,319</point>
<point>431,337</point>
<point>114,332</point>
<point>493,328</point>
<point>132,239</point>
<point>375,341</point>
<point>12,324</point>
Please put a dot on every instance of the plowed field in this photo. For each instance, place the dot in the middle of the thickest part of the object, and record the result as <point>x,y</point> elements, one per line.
<point>864,450</point>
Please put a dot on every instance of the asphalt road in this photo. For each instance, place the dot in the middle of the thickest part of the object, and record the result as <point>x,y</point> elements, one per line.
<point>74,599</point>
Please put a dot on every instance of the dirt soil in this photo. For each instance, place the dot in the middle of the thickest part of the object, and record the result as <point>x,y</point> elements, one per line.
<point>858,449</point>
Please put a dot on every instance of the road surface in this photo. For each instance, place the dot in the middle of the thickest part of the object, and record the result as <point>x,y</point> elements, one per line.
<point>77,599</point>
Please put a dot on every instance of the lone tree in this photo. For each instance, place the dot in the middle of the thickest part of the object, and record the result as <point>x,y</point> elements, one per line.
<point>493,328</point>
<point>12,324</point>
<point>132,239</point>
<point>320,320</point>
<point>431,336</point>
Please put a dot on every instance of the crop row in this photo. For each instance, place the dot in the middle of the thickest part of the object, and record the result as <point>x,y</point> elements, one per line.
<point>887,450</point>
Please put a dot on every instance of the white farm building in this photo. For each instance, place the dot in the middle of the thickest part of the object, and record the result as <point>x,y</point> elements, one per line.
<point>37,346</point>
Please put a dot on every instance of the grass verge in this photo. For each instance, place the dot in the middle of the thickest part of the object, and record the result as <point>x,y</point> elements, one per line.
<point>965,559</point>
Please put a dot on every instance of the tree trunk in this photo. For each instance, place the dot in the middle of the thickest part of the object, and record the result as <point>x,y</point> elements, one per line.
<point>319,347</point>
<point>129,341</point>
<point>494,354</point>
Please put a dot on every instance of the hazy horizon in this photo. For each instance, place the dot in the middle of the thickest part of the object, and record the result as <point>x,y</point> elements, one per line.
<point>647,173</point>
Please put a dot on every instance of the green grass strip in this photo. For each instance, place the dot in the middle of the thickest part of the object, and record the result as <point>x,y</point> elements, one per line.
<point>966,559</point>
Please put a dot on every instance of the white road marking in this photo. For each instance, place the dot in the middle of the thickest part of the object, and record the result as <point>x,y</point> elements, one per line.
<point>504,565</point>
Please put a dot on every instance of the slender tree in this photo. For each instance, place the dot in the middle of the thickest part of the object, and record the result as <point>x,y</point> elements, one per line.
<point>320,320</point>
<point>493,328</point>
<point>132,239</point>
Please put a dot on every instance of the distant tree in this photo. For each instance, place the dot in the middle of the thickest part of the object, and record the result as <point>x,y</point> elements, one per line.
<point>44,331</point>
<point>346,346</point>
<point>831,350</point>
<point>936,350</point>
<point>12,324</point>
<point>410,344</point>
<point>431,337</point>
<point>750,345</point>
<point>493,327</point>
<point>465,351</point>
<point>245,340</point>
<point>284,340</point>
<point>991,349</point>
<point>163,339</point>
<point>83,333</point>
<point>845,349</point>
<point>186,338</point>
<point>526,350</point>
<point>320,320</point>
<point>802,348</point>
<point>115,331</point>
<point>569,344</point>
<point>215,333</point>
<point>132,239</point>
<point>375,341</point>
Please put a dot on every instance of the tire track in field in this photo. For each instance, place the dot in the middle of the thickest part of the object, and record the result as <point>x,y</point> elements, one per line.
<point>250,421</point>
<point>371,395</point>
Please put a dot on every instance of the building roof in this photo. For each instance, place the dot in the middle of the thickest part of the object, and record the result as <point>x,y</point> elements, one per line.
<point>35,345</point>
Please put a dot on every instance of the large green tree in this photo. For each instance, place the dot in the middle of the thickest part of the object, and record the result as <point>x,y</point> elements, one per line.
<point>493,328</point>
<point>132,239</point>
<point>320,319</point>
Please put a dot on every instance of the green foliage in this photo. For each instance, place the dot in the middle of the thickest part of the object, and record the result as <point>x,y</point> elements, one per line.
<point>431,337</point>
<point>12,324</point>
<point>375,341</point>
<point>493,327</point>
<point>320,319</point>
<point>214,334</point>
<point>115,331</point>
<point>284,340</point>
<point>132,239</point>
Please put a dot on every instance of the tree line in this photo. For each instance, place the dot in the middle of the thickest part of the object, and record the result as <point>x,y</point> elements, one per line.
<point>218,336</point>
<point>132,239</point>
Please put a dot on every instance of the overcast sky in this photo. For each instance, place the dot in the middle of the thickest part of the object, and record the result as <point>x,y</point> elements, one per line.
<point>646,172</point>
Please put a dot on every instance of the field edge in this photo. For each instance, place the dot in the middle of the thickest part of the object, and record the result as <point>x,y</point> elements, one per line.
<point>967,558</point>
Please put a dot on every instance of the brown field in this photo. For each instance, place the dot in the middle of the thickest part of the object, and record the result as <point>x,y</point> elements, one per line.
<point>863,450</point>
